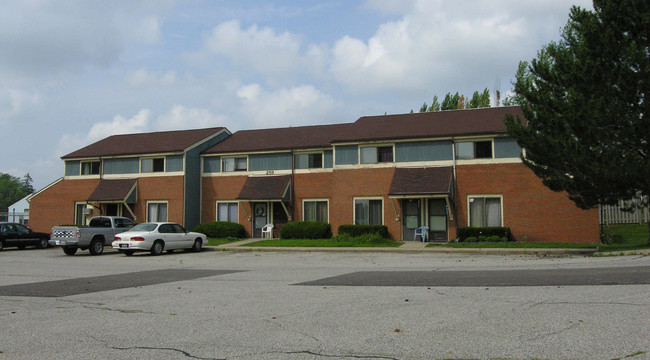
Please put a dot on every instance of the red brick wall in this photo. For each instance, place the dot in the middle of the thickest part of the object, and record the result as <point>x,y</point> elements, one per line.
<point>56,205</point>
<point>223,188</point>
<point>531,210</point>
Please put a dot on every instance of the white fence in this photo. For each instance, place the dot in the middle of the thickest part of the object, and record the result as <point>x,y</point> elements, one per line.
<point>612,214</point>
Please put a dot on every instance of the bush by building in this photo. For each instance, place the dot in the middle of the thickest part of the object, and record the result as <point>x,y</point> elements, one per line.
<point>221,229</point>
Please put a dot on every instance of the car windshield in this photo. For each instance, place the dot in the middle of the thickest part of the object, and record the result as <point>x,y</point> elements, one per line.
<point>144,227</point>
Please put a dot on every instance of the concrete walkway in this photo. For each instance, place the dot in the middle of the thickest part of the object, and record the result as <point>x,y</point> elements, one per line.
<point>407,247</point>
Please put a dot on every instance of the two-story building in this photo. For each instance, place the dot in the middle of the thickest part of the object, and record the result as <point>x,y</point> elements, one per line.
<point>443,170</point>
<point>147,177</point>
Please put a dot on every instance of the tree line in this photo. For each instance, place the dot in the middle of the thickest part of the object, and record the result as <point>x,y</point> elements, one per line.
<point>13,188</point>
<point>459,101</point>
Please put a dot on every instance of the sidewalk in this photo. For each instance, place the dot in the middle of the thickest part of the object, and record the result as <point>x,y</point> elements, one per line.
<point>413,247</point>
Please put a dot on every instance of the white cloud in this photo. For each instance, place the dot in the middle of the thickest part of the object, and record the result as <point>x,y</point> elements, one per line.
<point>14,102</point>
<point>262,51</point>
<point>181,118</point>
<point>300,105</point>
<point>142,77</point>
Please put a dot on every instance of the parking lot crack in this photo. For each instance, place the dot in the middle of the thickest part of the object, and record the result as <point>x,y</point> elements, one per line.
<point>183,352</point>
<point>332,356</point>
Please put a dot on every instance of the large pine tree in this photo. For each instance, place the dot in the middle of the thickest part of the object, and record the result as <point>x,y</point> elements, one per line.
<point>585,99</point>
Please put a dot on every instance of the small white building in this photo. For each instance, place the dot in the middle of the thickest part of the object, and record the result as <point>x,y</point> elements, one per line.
<point>19,211</point>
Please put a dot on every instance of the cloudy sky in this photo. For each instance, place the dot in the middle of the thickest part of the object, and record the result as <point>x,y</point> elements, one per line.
<point>74,72</point>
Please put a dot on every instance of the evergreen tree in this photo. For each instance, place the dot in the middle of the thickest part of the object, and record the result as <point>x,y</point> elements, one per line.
<point>585,101</point>
<point>13,189</point>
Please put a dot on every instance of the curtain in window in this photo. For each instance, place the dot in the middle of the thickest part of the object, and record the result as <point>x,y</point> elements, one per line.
<point>493,212</point>
<point>374,217</point>
<point>146,165</point>
<point>385,154</point>
<point>153,212</point>
<point>233,212</point>
<point>321,211</point>
<point>476,212</point>
<point>368,155</point>
<point>310,211</point>
<point>222,212</point>
<point>465,150</point>
<point>157,212</point>
<point>361,212</point>
<point>228,165</point>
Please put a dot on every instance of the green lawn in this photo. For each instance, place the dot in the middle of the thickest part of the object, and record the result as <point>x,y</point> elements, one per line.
<point>518,245</point>
<point>632,236</point>
<point>217,242</point>
<point>322,243</point>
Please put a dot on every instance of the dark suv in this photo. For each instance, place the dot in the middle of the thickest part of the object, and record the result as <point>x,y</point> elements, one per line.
<point>13,234</point>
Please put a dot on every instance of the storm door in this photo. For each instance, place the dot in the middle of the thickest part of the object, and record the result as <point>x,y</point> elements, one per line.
<point>437,219</point>
<point>410,218</point>
<point>260,218</point>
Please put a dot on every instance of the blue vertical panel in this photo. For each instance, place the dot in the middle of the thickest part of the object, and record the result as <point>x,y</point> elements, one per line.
<point>122,166</point>
<point>174,163</point>
<point>423,151</point>
<point>72,168</point>
<point>211,164</point>
<point>192,198</point>
<point>269,162</point>
<point>328,159</point>
<point>506,148</point>
<point>347,155</point>
<point>443,150</point>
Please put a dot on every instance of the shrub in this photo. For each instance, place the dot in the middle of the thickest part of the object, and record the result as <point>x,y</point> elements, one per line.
<point>465,232</point>
<point>221,229</point>
<point>469,239</point>
<point>306,230</point>
<point>358,230</point>
<point>348,240</point>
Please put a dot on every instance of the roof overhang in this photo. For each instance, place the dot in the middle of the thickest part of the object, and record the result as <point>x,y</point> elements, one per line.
<point>115,190</point>
<point>266,188</point>
<point>432,182</point>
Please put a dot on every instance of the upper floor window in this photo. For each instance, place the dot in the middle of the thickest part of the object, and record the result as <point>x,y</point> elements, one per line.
<point>234,164</point>
<point>90,168</point>
<point>309,161</point>
<point>376,154</point>
<point>152,165</point>
<point>474,149</point>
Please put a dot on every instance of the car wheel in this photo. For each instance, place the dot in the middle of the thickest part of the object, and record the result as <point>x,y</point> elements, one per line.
<point>96,247</point>
<point>21,246</point>
<point>69,250</point>
<point>42,244</point>
<point>127,252</point>
<point>157,248</point>
<point>198,244</point>
<point>2,245</point>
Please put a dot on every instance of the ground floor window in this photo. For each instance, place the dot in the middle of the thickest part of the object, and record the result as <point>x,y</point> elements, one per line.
<point>484,211</point>
<point>368,212</point>
<point>315,210</point>
<point>228,211</point>
<point>79,215</point>
<point>156,211</point>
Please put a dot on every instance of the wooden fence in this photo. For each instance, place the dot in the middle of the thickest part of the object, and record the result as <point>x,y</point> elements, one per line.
<point>612,214</point>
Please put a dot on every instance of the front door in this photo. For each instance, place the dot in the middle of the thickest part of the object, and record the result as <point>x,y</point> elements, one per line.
<point>279,218</point>
<point>260,218</point>
<point>410,218</point>
<point>438,219</point>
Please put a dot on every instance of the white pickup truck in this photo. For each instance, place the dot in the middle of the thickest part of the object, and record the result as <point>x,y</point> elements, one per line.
<point>99,233</point>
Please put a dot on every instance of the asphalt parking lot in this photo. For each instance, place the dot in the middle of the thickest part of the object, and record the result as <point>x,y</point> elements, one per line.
<point>258,305</point>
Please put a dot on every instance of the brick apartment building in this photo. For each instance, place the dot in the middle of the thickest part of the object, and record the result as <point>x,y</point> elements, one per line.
<point>443,170</point>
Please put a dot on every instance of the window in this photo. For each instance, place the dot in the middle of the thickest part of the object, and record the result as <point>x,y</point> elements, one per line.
<point>368,212</point>
<point>123,223</point>
<point>156,211</point>
<point>152,165</point>
<point>484,211</point>
<point>79,215</point>
<point>376,154</point>
<point>309,161</point>
<point>474,150</point>
<point>228,212</point>
<point>90,168</point>
<point>315,210</point>
<point>234,164</point>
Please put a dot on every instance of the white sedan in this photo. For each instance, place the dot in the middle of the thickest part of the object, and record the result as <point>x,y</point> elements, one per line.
<point>157,237</point>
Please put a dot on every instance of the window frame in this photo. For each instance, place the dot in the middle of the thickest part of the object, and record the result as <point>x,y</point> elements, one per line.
<point>484,196</point>
<point>317,200</point>
<point>153,164</point>
<point>369,198</point>
<point>236,203</point>
<point>158,202</point>
<point>77,206</point>
<point>234,159</point>
<point>91,162</point>
<point>377,153</point>
<point>473,142</point>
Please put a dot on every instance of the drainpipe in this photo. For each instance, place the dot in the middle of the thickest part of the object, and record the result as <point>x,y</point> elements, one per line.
<point>293,185</point>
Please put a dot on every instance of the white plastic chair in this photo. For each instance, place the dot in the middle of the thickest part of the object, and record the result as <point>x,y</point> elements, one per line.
<point>422,232</point>
<point>267,229</point>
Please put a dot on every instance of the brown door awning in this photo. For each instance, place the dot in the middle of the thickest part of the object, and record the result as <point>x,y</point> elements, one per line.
<point>270,188</point>
<point>117,190</point>
<point>423,182</point>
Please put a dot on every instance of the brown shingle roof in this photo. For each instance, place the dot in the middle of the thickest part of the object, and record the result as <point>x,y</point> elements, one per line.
<point>421,181</point>
<point>144,143</point>
<point>429,124</point>
<point>301,137</point>
<point>265,188</point>
<point>113,190</point>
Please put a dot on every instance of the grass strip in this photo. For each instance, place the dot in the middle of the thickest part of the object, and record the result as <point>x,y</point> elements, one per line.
<point>321,243</point>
